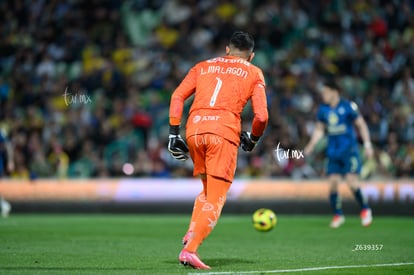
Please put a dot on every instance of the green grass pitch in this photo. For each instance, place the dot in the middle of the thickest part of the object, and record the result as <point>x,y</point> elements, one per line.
<point>149,244</point>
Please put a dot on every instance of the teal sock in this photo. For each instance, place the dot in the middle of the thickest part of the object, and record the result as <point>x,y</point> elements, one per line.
<point>336,203</point>
<point>361,199</point>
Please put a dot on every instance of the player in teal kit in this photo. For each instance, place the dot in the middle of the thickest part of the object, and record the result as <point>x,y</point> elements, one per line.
<point>338,118</point>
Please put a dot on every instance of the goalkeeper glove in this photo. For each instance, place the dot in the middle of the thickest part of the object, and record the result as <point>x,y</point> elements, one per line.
<point>176,144</point>
<point>248,141</point>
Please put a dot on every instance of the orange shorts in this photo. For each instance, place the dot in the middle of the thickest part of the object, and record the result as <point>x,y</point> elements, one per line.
<point>213,155</point>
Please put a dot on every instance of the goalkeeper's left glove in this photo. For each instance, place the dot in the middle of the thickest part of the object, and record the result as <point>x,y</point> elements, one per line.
<point>176,144</point>
<point>248,141</point>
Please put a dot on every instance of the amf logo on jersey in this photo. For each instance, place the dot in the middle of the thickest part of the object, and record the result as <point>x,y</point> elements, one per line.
<point>197,118</point>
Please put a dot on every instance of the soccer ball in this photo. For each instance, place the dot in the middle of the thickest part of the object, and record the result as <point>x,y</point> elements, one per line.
<point>264,219</point>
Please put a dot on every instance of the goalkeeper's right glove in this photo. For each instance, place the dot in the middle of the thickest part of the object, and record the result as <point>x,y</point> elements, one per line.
<point>176,144</point>
<point>248,141</point>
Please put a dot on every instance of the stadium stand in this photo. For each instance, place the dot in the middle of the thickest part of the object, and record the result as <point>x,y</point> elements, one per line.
<point>85,85</point>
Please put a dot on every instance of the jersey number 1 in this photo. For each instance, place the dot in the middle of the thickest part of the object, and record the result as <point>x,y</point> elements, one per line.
<point>216,92</point>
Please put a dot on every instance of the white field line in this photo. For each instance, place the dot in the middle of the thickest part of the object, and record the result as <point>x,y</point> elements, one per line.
<point>301,269</point>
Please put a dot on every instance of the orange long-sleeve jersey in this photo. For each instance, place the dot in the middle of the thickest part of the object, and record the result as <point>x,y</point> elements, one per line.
<point>222,87</point>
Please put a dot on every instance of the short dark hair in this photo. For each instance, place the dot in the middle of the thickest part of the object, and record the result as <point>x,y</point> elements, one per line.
<point>242,41</point>
<point>332,83</point>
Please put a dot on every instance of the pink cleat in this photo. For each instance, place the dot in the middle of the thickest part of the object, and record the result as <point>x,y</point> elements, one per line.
<point>366,217</point>
<point>191,259</point>
<point>337,221</point>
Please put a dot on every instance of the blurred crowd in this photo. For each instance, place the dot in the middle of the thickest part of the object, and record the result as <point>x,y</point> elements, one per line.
<point>85,85</point>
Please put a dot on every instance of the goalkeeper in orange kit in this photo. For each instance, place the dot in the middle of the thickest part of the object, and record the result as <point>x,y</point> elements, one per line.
<point>222,87</point>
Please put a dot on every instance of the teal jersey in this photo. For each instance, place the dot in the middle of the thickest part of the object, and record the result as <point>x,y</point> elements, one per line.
<point>342,149</point>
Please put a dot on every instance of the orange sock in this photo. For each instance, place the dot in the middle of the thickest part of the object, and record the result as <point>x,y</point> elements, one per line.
<point>210,211</point>
<point>198,204</point>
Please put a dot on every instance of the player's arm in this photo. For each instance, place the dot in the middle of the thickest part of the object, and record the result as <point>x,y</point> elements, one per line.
<point>248,140</point>
<point>362,127</point>
<point>259,106</point>
<point>181,93</point>
<point>317,134</point>
<point>365,135</point>
<point>176,144</point>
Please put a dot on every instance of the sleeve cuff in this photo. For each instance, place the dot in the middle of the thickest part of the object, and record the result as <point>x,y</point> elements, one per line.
<point>254,138</point>
<point>174,129</point>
